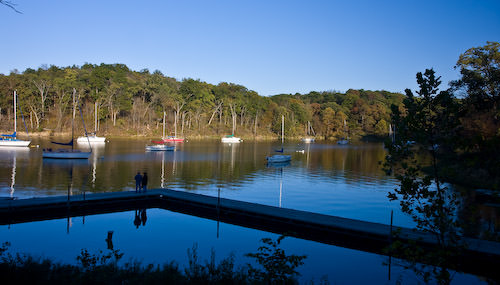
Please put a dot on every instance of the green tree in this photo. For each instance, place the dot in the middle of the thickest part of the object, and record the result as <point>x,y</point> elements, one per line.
<point>429,122</point>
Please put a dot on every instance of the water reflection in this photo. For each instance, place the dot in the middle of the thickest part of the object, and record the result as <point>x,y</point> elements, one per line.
<point>279,166</point>
<point>11,154</point>
<point>325,178</point>
<point>140,217</point>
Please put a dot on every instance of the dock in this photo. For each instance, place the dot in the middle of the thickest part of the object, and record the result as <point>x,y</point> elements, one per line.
<point>481,257</point>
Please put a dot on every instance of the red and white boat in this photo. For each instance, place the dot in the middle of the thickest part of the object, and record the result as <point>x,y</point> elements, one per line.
<point>173,139</point>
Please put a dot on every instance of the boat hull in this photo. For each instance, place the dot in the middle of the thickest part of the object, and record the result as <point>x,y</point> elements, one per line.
<point>278,158</point>
<point>66,154</point>
<point>13,142</point>
<point>173,140</point>
<point>308,140</point>
<point>91,139</point>
<point>231,140</point>
<point>160,148</point>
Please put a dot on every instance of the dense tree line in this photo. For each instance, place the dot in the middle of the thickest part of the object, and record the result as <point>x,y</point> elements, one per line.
<point>132,103</point>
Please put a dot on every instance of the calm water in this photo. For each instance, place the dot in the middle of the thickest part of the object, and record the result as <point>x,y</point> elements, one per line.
<point>325,178</point>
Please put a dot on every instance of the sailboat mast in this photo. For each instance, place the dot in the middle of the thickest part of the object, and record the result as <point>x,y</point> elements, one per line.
<point>234,122</point>
<point>95,120</point>
<point>175,124</point>
<point>73,120</point>
<point>164,115</point>
<point>15,112</point>
<point>282,128</point>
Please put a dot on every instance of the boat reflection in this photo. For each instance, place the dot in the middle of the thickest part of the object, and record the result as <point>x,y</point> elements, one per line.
<point>13,153</point>
<point>279,166</point>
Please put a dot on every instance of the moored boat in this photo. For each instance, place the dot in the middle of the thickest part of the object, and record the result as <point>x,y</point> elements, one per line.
<point>278,158</point>
<point>72,153</point>
<point>160,147</point>
<point>92,138</point>
<point>231,139</point>
<point>66,153</point>
<point>10,140</point>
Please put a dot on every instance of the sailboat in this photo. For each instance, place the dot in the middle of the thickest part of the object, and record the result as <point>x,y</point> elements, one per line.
<point>308,138</point>
<point>279,158</point>
<point>344,140</point>
<point>11,140</point>
<point>72,153</point>
<point>231,138</point>
<point>173,139</point>
<point>160,145</point>
<point>92,138</point>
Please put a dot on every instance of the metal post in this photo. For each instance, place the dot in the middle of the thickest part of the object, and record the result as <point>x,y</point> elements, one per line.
<point>390,249</point>
<point>390,238</point>
<point>218,211</point>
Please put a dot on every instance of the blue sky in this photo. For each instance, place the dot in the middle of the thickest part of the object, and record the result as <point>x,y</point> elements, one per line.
<point>268,46</point>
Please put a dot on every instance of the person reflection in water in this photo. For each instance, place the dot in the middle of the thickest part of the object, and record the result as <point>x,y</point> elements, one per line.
<point>138,181</point>
<point>145,182</point>
<point>140,217</point>
<point>144,217</point>
<point>137,219</point>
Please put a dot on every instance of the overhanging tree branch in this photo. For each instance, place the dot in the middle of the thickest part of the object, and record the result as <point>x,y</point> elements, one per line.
<point>10,5</point>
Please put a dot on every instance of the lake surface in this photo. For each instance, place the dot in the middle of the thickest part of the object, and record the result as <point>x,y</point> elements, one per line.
<point>344,181</point>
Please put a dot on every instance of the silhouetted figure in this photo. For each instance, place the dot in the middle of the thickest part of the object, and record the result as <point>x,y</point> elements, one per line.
<point>109,240</point>
<point>137,219</point>
<point>144,218</point>
<point>145,182</point>
<point>138,180</point>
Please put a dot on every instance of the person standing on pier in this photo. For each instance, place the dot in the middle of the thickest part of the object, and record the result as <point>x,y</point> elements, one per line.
<point>138,181</point>
<point>145,182</point>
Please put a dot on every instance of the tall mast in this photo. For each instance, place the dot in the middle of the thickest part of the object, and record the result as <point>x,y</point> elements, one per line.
<point>73,120</point>
<point>175,124</point>
<point>15,112</point>
<point>164,114</point>
<point>282,128</point>
<point>95,120</point>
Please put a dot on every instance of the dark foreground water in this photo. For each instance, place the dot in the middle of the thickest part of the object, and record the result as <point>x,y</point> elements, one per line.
<point>325,178</point>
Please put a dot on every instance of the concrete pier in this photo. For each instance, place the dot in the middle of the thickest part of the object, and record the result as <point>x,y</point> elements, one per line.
<point>480,258</point>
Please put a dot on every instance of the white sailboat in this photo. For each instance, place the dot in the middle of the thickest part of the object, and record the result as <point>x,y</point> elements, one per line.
<point>160,145</point>
<point>92,138</point>
<point>11,140</point>
<point>309,138</point>
<point>344,140</point>
<point>69,153</point>
<point>173,139</point>
<point>280,158</point>
<point>231,138</point>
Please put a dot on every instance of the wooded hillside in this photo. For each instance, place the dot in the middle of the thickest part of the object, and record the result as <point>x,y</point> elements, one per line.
<point>132,103</point>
